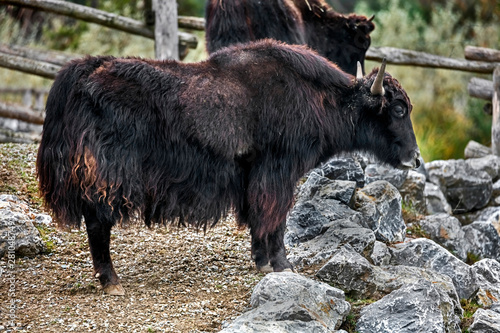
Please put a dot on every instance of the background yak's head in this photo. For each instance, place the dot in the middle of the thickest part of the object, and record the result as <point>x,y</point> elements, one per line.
<point>348,39</point>
<point>384,125</point>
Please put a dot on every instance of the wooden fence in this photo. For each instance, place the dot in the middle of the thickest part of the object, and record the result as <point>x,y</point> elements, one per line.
<point>47,63</point>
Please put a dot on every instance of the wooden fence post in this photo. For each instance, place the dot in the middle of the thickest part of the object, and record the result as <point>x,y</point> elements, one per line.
<point>166,29</point>
<point>495,126</point>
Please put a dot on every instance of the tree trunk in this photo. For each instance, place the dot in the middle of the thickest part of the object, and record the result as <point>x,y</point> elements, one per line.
<point>495,126</point>
<point>166,43</point>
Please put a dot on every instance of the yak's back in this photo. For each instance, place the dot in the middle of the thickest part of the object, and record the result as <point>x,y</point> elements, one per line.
<point>231,22</point>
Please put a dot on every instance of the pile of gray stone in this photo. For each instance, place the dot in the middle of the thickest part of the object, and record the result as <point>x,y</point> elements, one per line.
<point>18,235</point>
<point>347,229</point>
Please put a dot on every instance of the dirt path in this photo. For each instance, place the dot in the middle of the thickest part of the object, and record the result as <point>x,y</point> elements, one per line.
<point>176,280</point>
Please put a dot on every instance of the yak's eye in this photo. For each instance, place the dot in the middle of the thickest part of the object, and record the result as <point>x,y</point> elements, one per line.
<point>399,111</point>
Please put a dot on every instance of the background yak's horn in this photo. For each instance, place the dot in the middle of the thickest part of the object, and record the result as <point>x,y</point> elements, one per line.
<point>378,86</point>
<point>359,73</point>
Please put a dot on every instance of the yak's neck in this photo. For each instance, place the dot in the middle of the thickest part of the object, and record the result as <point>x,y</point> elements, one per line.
<point>343,118</point>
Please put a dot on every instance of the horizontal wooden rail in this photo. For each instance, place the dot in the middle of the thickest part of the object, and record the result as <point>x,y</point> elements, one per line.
<point>51,57</point>
<point>20,113</point>
<point>480,88</point>
<point>101,17</point>
<point>30,66</point>
<point>482,54</point>
<point>421,59</point>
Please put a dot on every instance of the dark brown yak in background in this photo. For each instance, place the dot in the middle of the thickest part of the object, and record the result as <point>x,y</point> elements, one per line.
<point>187,143</point>
<point>342,39</point>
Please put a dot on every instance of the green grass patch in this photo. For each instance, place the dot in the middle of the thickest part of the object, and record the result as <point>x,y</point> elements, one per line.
<point>352,318</point>
<point>469,307</point>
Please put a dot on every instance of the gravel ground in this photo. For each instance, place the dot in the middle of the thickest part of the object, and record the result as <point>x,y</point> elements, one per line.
<point>176,280</point>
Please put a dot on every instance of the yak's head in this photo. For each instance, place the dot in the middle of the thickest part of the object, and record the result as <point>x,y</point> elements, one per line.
<point>384,126</point>
<point>348,39</point>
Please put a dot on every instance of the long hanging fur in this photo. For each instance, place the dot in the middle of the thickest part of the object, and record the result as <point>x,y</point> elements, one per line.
<point>342,39</point>
<point>168,141</point>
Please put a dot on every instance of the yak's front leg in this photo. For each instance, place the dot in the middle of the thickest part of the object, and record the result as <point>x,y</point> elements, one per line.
<point>269,252</point>
<point>99,233</point>
<point>276,250</point>
<point>269,197</point>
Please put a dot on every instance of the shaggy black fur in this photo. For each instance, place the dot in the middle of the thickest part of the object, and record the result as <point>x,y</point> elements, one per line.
<point>169,141</point>
<point>342,39</point>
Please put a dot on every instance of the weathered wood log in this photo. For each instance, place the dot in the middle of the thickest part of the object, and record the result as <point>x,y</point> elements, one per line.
<point>8,136</point>
<point>413,58</point>
<point>35,91</point>
<point>19,112</point>
<point>482,54</point>
<point>52,57</point>
<point>480,88</point>
<point>93,15</point>
<point>475,149</point>
<point>193,23</point>
<point>166,43</point>
<point>495,126</point>
<point>30,66</point>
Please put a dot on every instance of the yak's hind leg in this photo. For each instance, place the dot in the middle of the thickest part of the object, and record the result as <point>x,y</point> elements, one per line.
<point>99,233</point>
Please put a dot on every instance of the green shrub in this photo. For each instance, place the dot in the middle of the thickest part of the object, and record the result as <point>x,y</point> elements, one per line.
<point>444,117</point>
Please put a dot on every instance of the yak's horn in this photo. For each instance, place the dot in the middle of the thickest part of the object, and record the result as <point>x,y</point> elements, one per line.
<point>378,86</point>
<point>371,18</point>
<point>359,73</point>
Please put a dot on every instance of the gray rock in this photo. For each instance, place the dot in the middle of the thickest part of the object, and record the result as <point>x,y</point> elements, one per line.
<point>304,223</point>
<point>325,188</point>
<point>412,191</point>
<point>447,231</point>
<point>319,202</point>
<point>17,232</point>
<point>425,253</point>
<point>435,201</point>
<point>343,168</point>
<point>475,149</point>
<point>486,214</point>
<point>380,203</point>
<point>485,321</point>
<point>288,302</point>
<point>488,279</point>
<point>418,307</point>
<point>321,248</point>
<point>351,272</point>
<point>490,164</point>
<point>465,189</point>
<point>380,255</point>
<point>495,307</point>
<point>483,239</point>
<point>495,195</point>
<point>374,172</point>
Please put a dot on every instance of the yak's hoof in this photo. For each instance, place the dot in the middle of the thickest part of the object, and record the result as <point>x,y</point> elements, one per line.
<point>289,270</point>
<point>114,289</point>
<point>265,269</point>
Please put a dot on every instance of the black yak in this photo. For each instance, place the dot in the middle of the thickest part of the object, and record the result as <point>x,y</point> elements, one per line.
<point>342,39</point>
<point>188,143</point>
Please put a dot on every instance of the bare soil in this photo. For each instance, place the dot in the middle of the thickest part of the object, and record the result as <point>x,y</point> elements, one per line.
<point>176,280</point>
